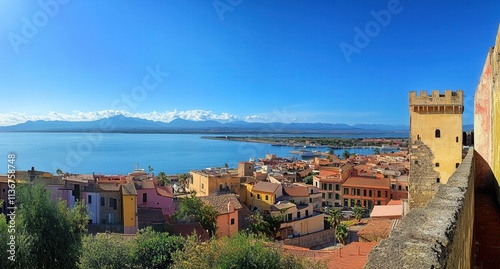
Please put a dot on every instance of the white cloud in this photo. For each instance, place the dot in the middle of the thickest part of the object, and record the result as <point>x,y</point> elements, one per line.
<point>167,116</point>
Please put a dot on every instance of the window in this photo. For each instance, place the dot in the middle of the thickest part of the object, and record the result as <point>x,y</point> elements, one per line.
<point>232,221</point>
<point>267,197</point>
<point>418,137</point>
<point>378,203</point>
<point>370,193</point>
<point>289,217</point>
<point>379,193</point>
<point>330,195</point>
<point>337,187</point>
<point>353,191</point>
<point>399,187</point>
<point>416,162</point>
<point>103,201</point>
<point>144,197</point>
<point>251,194</point>
<point>358,192</point>
<point>89,199</point>
<point>346,191</point>
<point>456,139</point>
<point>221,187</point>
<point>330,187</point>
<point>324,186</point>
<point>437,164</point>
<point>393,186</point>
<point>337,196</point>
<point>456,165</point>
<point>323,195</point>
<point>385,194</point>
<point>406,188</point>
<point>364,203</point>
<point>438,180</point>
<point>437,133</point>
<point>316,184</point>
<point>298,214</point>
<point>307,213</point>
<point>258,196</point>
<point>310,200</point>
<point>346,203</point>
<point>110,202</point>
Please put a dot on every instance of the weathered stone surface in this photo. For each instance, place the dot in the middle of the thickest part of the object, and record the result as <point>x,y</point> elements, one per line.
<point>438,235</point>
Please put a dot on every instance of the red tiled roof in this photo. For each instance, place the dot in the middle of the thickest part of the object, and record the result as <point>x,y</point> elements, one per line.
<point>352,256</point>
<point>165,191</point>
<point>267,187</point>
<point>387,211</point>
<point>376,229</point>
<point>296,191</point>
<point>359,181</point>
<point>395,202</point>
<point>220,202</point>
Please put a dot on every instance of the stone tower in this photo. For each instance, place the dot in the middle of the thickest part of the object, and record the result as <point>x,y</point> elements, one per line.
<point>435,142</point>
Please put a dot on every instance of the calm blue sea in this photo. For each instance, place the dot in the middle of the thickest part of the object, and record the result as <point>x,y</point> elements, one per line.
<point>121,153</point>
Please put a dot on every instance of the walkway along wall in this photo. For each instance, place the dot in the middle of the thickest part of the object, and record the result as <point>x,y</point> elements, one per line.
<point>438,235</point>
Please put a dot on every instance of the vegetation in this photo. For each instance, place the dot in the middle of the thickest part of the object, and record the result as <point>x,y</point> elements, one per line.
<point>308,180</point>
<point>192,209</point>
<point>341,233</point>
<point>241,251</point>
<point>358,212</point>
<point>334,216</point>
<point>266,225</point>
<point>346,154</point>
<point>154,250</point>
<point>376,151</point>
<point>108,251</point>
<point>48,234</point>
<point>163,179</point>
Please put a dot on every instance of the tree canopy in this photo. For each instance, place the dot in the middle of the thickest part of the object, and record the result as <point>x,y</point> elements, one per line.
<point>192,209</point>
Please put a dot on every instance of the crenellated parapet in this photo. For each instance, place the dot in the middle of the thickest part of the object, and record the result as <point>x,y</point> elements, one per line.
<point>451,102</point>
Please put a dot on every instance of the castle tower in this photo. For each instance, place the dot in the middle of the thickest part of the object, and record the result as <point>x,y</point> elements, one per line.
<point>435,142</point>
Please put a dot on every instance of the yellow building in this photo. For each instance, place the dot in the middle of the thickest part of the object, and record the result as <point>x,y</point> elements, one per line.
<point>129,199</point>
<point>208,182</point>
<point>297,220</point>
<point>435,141</point>
<point>261,196</point>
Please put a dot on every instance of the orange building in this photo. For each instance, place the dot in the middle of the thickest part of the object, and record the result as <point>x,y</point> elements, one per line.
<point>366,191</point>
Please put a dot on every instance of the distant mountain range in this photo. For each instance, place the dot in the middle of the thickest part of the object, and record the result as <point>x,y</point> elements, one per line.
<point>122,124</point>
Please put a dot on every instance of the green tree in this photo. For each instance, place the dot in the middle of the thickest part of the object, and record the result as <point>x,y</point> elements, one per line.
<point>240,251</point>
<point>346,154</point>
<point>4,239</point>
<point>163,179</point>
<point>358,212</point>
<point>341,233</point>
<point>376,151</point>
<point>192,209</point>
<point>150,169</point>
<point>308,180</point>
<point>49,234</point>
<point>334,216</point>
<point>107,251</point>
<point>59,172</point>
<point>154,249</point>
<point>258,225</point>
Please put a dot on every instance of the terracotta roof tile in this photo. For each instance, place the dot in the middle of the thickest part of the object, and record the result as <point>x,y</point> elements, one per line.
<point>358,181</point>
<point>352,256</point>
<point>296,191</point>
<point>267,187</point>
<point>220,202</point>
<point>376,229</point>
<point>165,191</point>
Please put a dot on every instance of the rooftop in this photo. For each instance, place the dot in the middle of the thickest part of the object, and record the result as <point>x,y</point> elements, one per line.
<point>359,181</point>
<point>220,202</point>
<point>266,187</point>
<point>381,211</point>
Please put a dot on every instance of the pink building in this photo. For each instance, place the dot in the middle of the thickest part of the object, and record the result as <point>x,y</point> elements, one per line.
<point>150,195</point>
<point>227,205</point>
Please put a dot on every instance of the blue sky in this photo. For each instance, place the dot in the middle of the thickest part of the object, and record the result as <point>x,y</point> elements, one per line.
<point>238,59</point>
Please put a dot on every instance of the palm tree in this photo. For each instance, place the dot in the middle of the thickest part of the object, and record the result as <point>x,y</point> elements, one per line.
<point>162,178</point>
<point>346,154</point>
<point>334,217</point>
<point>358,212</point>
<point>341,233</point>
<point>59,172</point>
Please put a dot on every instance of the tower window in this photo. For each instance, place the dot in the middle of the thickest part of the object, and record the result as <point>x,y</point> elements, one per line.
<point>438,180</point>
<point>456,165</point>
<point>456,139</point>
<point>418,137</point>
<point>438,133</point>
<point>437,164</point>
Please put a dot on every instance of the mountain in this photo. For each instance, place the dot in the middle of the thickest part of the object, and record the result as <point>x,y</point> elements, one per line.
<point>135,125</point>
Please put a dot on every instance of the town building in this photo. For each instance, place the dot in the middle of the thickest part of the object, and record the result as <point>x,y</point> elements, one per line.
<point>227,206</point>
<point>365,191</point>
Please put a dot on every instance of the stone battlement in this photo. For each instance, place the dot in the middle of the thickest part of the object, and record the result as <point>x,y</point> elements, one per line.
<point>436,98</point>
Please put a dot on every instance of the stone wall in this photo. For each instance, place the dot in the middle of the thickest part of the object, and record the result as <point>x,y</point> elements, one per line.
<point>423,184</point>
<point>438,235</point>
<point>311,240</point>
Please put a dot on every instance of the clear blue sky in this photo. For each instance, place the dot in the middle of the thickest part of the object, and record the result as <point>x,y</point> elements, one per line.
<point>267,60</point>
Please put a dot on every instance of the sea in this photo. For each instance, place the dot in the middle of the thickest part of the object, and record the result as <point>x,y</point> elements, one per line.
<point>120,153</point>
